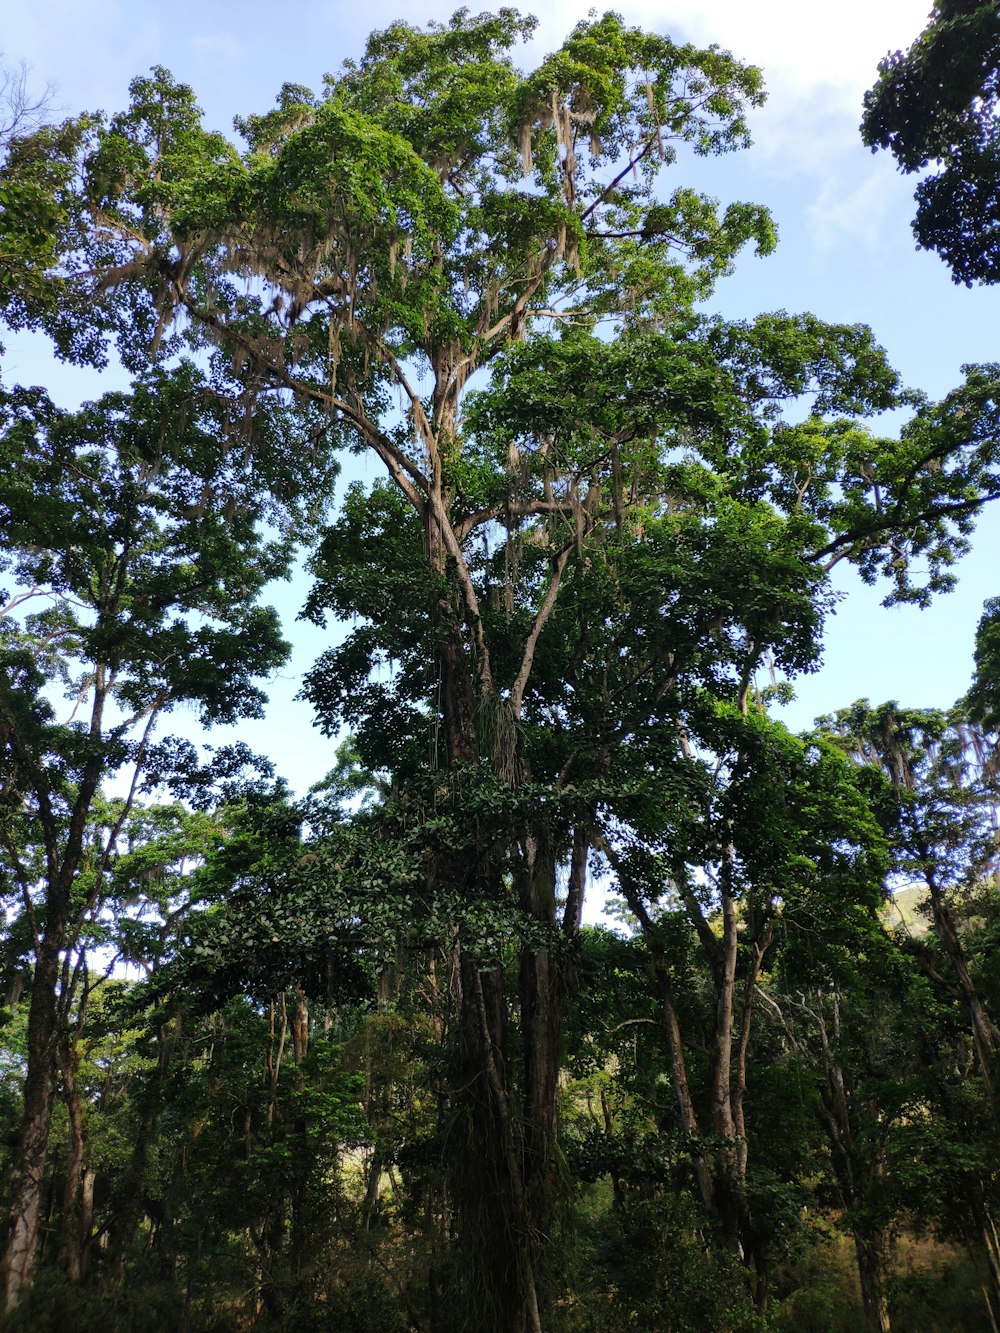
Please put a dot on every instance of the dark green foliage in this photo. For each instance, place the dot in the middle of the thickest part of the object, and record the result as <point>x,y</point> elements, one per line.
<point>937,105</point>
<point>983,698</point>
<point>658,1274</point>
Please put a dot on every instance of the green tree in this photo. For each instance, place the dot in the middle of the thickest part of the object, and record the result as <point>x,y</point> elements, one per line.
<point>855,1012</point>
<point>942,770</point>
<point>780,842</point>
<point>983,698</point>
<point>146,893</point>
<point>937,105</point>
<point>433,206</point>
<point>135,543</point>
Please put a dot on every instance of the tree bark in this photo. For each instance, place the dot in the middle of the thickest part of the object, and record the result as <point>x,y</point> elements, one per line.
<point>856,1173</point>
<point>987,1228</point>
<point>132,1193</point>
<point>73,1239</point>
<point>730,1165</point>
<point>679,1078</point>
<point>984,1034</point>
<point>88,1183</point>
<point>871,1247</point>
<point>28,1176</point>
<point>704,1168</point>
<point>542,996</point>
<point>497,1269</point>
<point>63,854</point>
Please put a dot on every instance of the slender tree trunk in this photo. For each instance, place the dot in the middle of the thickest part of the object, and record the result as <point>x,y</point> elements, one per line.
<point>723,1120</point>
<point>682,1087</point>
<point>872,1249</point>
<point>542,997</point>
<point>759,951</point>
<point>132,1193</point>
<point>300,1027</point>
<point>984,1033</point>
<point>300,1195</point>
<point>28,1176</point>
<point>731,1156</point>
<point>704,1172</point>
<point>86,1217</point>
<point>372,1188</point>
<point>856,1174</point>
<point>754,1250</point>
<point>985,1042</point>
<point>987,1228</point>
<point>72,1221</point>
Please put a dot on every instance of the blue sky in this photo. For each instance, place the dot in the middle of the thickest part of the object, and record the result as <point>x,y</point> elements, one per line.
<point>846,251</point>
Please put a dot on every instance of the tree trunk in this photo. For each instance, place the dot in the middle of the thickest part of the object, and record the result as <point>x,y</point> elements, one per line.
<point>497,1244</point>
<point>983,1031</point>
<point>987,1228</point>
<point>704,1167</point>
<point>542,987</point>
<point>300,1027</point>
<point>730,1163</point>
<point>755,1250</point>
<point>505,1186</point>
<point>86,1217</point>
<point>857,1173</point>
<point>678,1073</point>
<point>27,1179</point>
<point>132,1192</point>
<point>872,1249</point>
<point>28,1176</point>
<point>73,1238</point>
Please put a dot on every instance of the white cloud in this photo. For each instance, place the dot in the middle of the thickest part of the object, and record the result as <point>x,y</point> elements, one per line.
<point>855,210</point>
<point>804,46</point>
<point>817,60</point>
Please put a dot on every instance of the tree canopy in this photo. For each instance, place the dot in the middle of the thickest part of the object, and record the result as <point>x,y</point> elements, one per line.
<point>936,106</point>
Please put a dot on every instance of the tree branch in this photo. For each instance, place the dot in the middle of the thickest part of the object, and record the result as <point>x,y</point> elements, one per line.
<point>845,540</point>
<point>541,617</point>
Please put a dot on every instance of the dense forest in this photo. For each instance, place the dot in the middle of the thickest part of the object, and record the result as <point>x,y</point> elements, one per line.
<point>356,1061</point>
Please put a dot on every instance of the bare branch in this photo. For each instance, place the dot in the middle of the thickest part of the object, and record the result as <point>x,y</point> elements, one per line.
<point>20,111</point>
<point>541,617</point>
<point>634,160</point>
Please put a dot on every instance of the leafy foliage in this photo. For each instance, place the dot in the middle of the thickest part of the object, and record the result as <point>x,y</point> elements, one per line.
<point>937,104</point>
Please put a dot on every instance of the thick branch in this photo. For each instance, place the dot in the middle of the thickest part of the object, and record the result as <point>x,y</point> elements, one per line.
<point>841,544</point>
<point>513,509</point>
<point>632,164</point>
<point>407,476</point>
<point>469,594</point>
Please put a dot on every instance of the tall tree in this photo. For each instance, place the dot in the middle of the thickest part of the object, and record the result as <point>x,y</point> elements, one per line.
<point>132,534</point>
<point>943,771</point>
<point>433,206</point>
